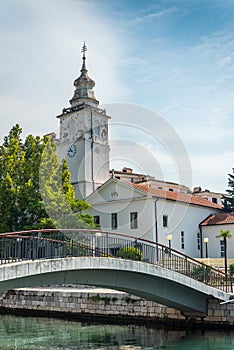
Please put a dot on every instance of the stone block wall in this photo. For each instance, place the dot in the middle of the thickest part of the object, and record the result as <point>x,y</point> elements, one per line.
<point>94,304</point>
<point>90,303</point>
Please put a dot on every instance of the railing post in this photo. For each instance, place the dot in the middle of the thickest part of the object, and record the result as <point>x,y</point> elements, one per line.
<point>156,253</point>
<point>37,246</point>
<point>18,247</point>
<point>51,249</point>
<point>231,284</point>
<point>107,244</point>
<point>186,266</point>
<point>163,256</point>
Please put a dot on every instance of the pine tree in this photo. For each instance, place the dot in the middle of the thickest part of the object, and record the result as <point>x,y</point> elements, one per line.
<point>228,200</point>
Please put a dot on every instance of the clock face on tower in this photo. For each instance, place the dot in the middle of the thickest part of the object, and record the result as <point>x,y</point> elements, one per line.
<point>71,151</point>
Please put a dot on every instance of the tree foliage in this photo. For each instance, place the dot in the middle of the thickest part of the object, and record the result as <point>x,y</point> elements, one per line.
<point>224,234</point>
<point>228,200</point>
<point>35,189</point>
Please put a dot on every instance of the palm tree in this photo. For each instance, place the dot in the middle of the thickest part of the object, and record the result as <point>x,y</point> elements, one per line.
<point>225,234</point>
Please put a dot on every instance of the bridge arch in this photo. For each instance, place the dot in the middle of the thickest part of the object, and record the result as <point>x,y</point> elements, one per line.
<point>142,279</point>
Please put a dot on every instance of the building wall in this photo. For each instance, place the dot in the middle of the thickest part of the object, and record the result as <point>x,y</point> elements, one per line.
<point>214,249</point>
<point>145,212</point>
<point>119,198</point>
<point>185,218</point>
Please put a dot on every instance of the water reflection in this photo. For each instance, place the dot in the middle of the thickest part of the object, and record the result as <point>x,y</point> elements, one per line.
<point>42,333</point>
<point>18,333</point>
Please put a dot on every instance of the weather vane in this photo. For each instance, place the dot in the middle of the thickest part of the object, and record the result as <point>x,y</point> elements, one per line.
<point>84,48</point>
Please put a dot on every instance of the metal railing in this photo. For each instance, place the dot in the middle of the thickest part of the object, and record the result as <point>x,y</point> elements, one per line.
<point>53,243</point>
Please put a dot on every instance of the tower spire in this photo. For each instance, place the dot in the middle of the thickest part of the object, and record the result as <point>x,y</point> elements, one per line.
<point>84,49</point>
<point>84,85</point>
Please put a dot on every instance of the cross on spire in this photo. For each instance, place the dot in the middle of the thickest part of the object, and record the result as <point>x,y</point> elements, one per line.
<point>84,48</point>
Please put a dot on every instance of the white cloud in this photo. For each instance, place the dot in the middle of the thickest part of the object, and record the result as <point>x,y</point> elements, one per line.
<point>152,15</point>
<point>40,59</point>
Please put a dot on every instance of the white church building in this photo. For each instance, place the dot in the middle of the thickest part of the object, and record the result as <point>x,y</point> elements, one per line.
<point>121,200</point>
<point>150,213</point>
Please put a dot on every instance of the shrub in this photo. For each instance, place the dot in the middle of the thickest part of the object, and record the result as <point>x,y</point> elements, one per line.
<point>231,269</point>
<point>130,253</point>
<point>201,273</point>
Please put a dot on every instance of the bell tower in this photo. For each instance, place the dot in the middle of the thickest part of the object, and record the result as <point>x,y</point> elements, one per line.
<point>84,136</point>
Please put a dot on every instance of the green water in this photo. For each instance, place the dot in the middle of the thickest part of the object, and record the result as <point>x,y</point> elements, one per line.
<point>17,333</point>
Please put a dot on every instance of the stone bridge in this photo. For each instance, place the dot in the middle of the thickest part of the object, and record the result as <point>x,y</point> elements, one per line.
<point>162,275</point>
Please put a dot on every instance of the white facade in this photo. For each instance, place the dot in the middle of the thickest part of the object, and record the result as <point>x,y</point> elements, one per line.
<point>210,229</point>
<point>215,245</point>
<point>156,217</point>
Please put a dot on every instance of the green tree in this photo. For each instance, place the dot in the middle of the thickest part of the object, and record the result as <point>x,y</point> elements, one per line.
<point>58,194</point>
<point>228,200</point>
<point>225,234</point>
<point>34,185</point>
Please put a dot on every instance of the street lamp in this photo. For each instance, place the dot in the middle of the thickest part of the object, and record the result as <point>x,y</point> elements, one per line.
<point>206,241</point>
<point>169,238</point>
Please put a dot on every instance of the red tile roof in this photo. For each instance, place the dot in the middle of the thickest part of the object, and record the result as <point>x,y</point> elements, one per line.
<point>219,219</point>
<point>175,196</point>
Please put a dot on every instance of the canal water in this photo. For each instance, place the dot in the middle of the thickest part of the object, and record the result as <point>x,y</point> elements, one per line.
<point>28,333</point>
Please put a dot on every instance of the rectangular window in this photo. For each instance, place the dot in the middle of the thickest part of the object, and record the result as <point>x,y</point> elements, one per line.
<point>182,239</point>
<point>198,241</point>
<point>214,200</point>
<point>222,249</point>
<point>96,219</point>
<point>114,224</point>
<point>134,219</point>
<point>96,130</point>
<point>165,220</point>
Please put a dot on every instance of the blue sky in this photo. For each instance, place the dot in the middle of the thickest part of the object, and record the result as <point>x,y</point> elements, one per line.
<point>175,57</point>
